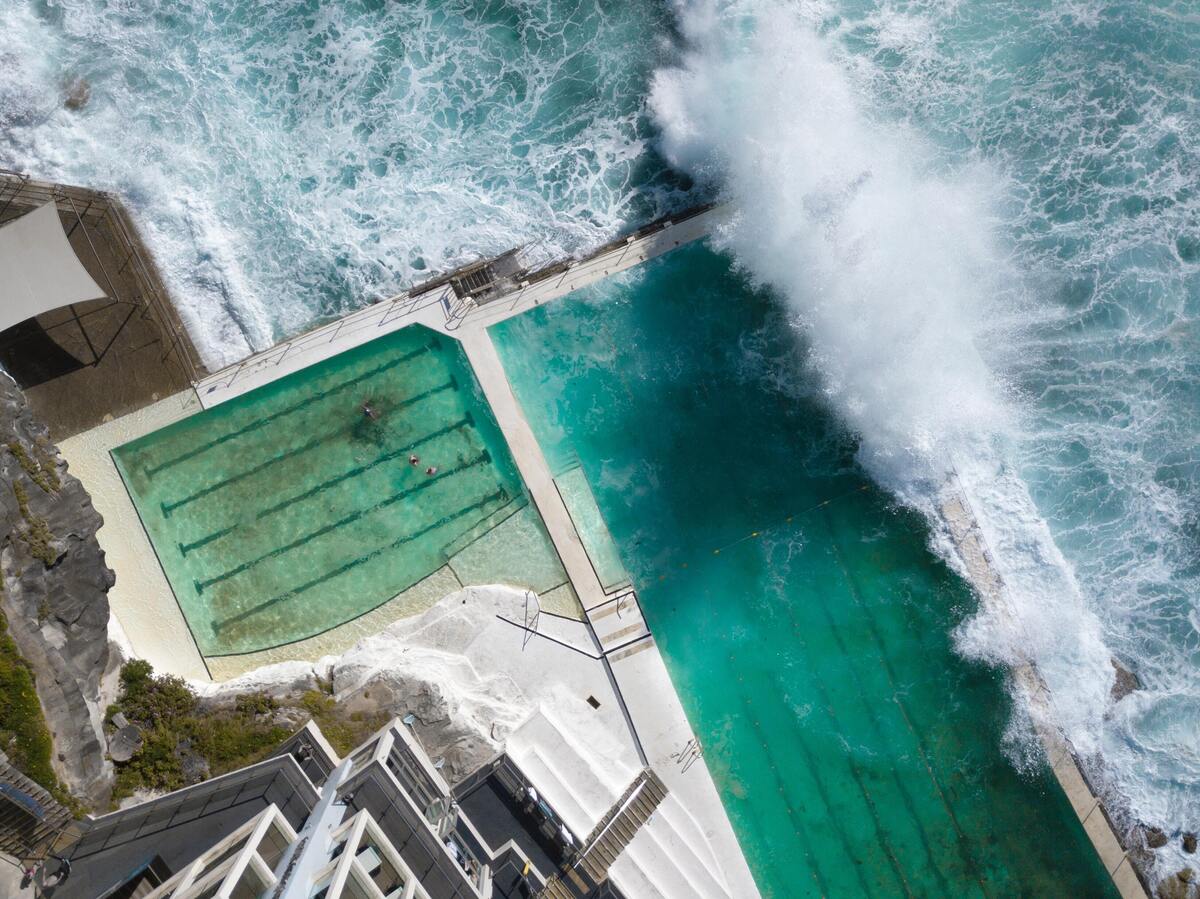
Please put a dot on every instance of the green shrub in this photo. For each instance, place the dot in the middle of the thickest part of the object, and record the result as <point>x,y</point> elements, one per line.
<point>170,715</point>
<point>23,732</point>
<point>154,767</point>
<point>343,731</point>
<point>255,704</point>
<point>154,701</point>
<point>42,472</point>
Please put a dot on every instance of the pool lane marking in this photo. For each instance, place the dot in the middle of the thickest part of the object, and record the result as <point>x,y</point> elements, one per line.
<point>468,420</point>
<point>168,508</point>
<point>500,494</point>
<point>801,822</point>
<point>872,717</point>
<point>288,410</point>
<point>481,459</point>
<point>826,703</point>
<point>962,842</point>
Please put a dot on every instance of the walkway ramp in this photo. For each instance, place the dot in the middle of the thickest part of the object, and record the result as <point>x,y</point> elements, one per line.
<point>621,824</point>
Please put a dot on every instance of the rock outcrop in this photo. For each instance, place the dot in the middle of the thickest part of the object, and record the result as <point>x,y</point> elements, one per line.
<point>55,592</point>
<point>1181,885</point>
<point>76,93</point>
<point>1126,682</point>
<point>462,708</point>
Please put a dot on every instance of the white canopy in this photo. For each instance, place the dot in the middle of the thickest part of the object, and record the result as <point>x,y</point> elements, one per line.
<point>38,269</point>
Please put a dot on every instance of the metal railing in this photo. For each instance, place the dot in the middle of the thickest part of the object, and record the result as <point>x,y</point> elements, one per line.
<point>436,291</point>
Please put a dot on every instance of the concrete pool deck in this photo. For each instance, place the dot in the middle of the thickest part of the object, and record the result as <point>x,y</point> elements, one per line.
<point>624,647</point>
<point>657,725</point>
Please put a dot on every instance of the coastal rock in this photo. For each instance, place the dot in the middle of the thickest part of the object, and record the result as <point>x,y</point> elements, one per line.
<point>76,94</point>
<point>1178,886</point>
<point>1155,837</point>
<point>193,765</point>
<point>124,743</point>
<point>279,681</point>
<point>461,714</point>
<point>1126,682</point>
<point>1189,843</point>
<point>55,592</point>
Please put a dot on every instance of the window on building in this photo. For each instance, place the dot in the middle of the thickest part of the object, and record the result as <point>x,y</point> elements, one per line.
<point>250,885</point>
<point>274,843</point>
<point>375,864</point>
<point>355,888</point>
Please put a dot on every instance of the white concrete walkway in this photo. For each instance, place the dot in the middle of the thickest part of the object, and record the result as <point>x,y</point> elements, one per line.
<point>439,309</point>
<point>527,453</point>
<point>656,716</point>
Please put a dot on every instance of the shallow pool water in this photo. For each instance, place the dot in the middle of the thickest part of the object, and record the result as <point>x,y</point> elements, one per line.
<point>298,506</point>
<point>802,617</point>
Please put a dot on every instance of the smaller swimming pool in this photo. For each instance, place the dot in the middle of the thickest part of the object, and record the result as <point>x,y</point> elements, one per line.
<point>312,500</point>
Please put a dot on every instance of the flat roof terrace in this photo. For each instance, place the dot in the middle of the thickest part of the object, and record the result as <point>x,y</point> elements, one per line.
<point>89,362</point>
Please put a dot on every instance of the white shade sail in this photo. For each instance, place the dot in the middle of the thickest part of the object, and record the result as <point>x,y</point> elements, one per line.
<point>39,270</point>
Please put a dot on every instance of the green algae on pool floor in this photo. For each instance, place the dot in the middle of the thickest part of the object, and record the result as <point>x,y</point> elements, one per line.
<point>856,753</point>
<point>297,506</point>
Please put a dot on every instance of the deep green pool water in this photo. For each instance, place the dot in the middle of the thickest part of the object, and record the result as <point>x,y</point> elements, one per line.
<point>286,511</point>
<point>803,619</point>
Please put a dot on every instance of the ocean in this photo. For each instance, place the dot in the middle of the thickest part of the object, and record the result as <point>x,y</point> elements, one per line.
<point>978,221</point>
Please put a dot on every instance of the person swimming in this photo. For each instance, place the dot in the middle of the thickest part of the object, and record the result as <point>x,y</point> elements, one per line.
<point>414,459</point>
<point>431,470</point>
<point>369,411</point>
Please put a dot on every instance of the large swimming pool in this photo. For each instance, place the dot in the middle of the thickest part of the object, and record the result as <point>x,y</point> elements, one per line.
<point>805,623</point>
<point>307,502</point>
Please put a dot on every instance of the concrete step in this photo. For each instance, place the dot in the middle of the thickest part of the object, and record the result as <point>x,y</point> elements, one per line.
<point>658,861</point>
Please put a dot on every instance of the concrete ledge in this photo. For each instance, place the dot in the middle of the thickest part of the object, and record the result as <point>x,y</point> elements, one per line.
<point>440,309</point>
<point>973,552</point>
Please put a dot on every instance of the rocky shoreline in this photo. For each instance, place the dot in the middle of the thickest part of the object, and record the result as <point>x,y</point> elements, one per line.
<point>55,594</point>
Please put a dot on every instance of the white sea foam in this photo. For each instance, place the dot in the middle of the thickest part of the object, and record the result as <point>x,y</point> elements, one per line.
<point>293,161</point>
<point>889,263</point>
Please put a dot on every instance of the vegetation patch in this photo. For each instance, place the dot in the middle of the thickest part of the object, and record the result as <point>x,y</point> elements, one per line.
<point>186,739</point>
<point>343,730</point>
<point>24,736</point>
<point>37,533</point>
<point>42,470</point>
<point>177,731</point>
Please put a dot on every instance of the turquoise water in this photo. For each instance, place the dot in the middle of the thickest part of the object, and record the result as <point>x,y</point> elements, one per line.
<point>287,511</point>
<point>981,216</point>
<point>801,616</point>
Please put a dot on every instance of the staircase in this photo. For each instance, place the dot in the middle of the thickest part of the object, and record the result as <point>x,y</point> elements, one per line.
<point>609,837</point>
<point>620,825</point>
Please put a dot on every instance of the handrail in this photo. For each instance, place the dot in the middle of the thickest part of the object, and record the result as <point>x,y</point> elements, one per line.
<point>545,636</point>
